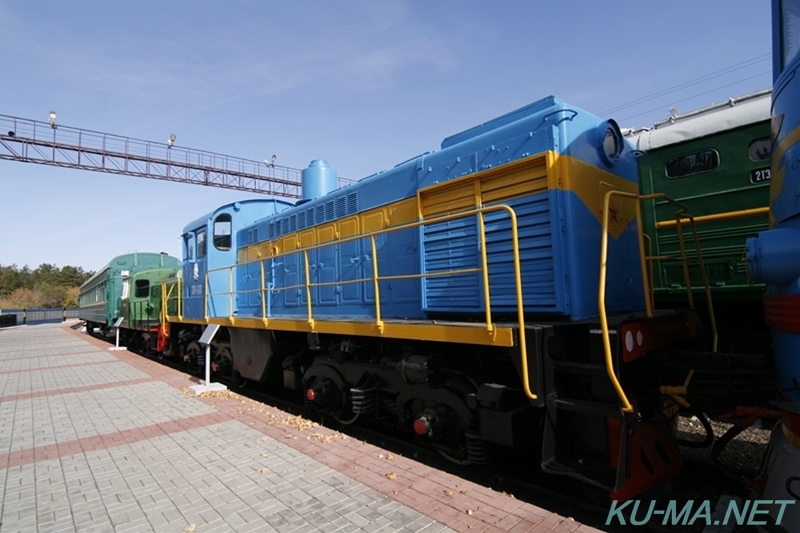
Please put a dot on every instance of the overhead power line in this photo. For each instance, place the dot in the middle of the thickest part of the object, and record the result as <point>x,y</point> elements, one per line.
<point>690,83</point>
<point>715,89</point>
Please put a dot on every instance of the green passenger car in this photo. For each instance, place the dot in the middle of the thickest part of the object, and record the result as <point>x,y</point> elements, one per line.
<point>100,298</point>
<point>716,162</point>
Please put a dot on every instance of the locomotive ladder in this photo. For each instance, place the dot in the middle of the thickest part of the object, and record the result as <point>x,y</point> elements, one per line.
<point>644,260</point>
<point>637,453</point>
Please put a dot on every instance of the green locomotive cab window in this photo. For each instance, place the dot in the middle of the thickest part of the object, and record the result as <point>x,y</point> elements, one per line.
<point>222,232</point>
<point>201,244</point>
<point>759,149</point>
<point>691,164</point>
<point>142,288</point>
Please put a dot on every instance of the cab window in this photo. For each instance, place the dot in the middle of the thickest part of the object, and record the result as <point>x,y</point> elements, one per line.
<point>201,244</point>
<point>142,288</point>
<point>222,232</point>
<point>188,244</point>
<point>691,164</point>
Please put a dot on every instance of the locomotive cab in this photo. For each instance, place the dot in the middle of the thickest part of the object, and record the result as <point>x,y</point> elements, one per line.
<point>209,244</point>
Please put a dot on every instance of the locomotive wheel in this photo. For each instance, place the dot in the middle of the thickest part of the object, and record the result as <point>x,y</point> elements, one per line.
<point>224,361</point>
<point>440,422</point>
<point>347,421</point>
<point>453,459</point>
<point>134,344</point>
<point>237,380</point>
<point>194,354</point>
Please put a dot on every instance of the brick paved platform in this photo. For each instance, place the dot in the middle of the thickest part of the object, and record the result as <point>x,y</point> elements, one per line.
<point>95,440</point>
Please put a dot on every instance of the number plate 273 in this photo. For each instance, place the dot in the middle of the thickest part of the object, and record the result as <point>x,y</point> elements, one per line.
<point>759,175</point>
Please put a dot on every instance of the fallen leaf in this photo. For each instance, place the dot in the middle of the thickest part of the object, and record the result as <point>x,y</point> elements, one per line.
<point>470,511</point>
<point>392,475</point>
<point>190,528</point>
<point>448,492</point>
<point>322,438</point>
<point>264,455</point>
<point>264,470</point>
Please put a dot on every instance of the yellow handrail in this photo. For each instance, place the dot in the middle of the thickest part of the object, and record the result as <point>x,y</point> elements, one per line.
<point>627,407</point>
<point>167,286</point>
<point>728,215</point>
<point>601,298</point>
<point>376,278</point>
<point>715,335</point>
<point>207,296</point>
<point>263,294</point>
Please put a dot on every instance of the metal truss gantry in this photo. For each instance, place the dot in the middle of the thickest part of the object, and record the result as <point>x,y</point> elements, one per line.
<point>30,141</point>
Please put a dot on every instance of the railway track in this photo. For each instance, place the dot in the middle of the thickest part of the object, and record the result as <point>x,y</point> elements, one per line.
<point>516,474</point>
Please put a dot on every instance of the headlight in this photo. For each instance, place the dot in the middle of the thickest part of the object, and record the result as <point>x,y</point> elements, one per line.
<point>610,142</point>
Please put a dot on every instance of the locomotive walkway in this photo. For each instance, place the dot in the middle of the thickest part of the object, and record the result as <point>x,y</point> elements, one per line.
<point>95,440</point>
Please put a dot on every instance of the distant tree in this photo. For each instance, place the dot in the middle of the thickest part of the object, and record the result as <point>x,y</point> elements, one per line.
<point>11,278</point>
<point>72,297</point>
<point>48,295</point>
<point>22,298</point>
<point>46,286</point>
<point>71,276</point>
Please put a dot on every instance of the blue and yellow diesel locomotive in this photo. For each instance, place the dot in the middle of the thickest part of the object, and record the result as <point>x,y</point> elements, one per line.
<point>489,294</point>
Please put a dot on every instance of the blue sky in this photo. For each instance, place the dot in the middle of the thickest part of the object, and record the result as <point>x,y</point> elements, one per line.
<point>363,84</point>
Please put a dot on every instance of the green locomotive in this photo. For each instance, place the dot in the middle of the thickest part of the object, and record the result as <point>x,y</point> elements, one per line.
<point>715,161</point>
<point>118,290</point>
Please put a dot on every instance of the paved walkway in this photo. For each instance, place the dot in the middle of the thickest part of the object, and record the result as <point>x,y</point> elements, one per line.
<point>94,440</point>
